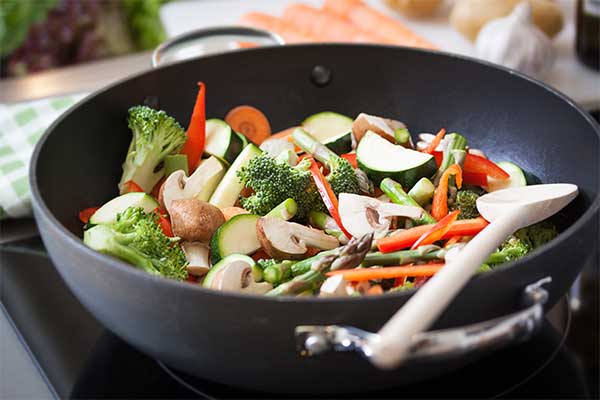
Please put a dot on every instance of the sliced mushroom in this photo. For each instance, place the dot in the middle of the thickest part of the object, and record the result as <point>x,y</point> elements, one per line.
<point>197,256</point>
<point>237,277</point>
<point>334,286</point>
<point>381,126</point>
<point>362,215</point>
<point>194,220</point>
<point>288,240</point>
<point>204,179</point>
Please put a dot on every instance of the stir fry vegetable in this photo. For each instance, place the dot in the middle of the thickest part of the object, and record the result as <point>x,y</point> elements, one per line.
<point>330,207</point>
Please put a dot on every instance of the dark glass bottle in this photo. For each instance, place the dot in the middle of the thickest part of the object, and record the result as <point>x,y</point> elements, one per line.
<point>588,32</point>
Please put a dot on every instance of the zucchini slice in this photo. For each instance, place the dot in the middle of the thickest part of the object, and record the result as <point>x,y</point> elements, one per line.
<point>222,141</point>
<point>332,129</point>
<point>517,178</point>
<point>107,214</point>
<point>381,159</point>
<point>230,187</point>
<point>236,236</point>
<point>214,271</point>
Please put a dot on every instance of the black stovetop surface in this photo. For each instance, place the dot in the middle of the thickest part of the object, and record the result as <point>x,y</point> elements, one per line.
<point>80,359</point>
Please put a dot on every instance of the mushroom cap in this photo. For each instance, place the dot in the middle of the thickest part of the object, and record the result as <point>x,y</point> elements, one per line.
<point>195,220</point>
<point>173,188</point>
<point>237,277</point>
<point>365,122</point>
<point>288,240</point>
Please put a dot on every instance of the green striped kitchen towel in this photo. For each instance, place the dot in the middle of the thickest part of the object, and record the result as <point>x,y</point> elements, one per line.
<point>21,125</point>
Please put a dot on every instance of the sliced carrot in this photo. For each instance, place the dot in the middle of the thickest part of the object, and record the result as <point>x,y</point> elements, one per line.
<point>371,20</point>
<point>284,134</point>
<point>351,157</point>
<point>375,290</point>
<point>86,213</point>
<point>405,239</point>
<point>435,142</point>
<point>327,25</point>
<point>439,207</point>
<point>368,274</point>
<point>437,231</point>
<point>230,212</point>
<point>276,25</point>
<point>250,122</point>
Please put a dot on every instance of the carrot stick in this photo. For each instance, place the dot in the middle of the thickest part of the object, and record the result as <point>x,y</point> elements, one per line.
<point>371,20</point>
<point>405,239</point>
<point>439,207</point>
<point>250,122</point>
<point>327,25</point>
<point>368,274</point>
<point>276,25</point>
<point>435,142</point>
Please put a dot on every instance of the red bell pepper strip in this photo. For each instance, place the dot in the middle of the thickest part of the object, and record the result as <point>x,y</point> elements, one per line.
<point>475,178</point>
<point>85,214</point>
<point>131,186</point>
<point>196,133</point>
<point>351,157</point>
<point>477,164</point>
<point>405,239</point>
<point>439,207</point>
<point>326,192</point>
<point>437,231</point>
<point>435,142</point>
<point>482,165</point>
<point>164,223</point>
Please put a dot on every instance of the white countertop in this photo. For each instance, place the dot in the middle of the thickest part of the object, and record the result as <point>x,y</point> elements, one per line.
<point>567,75</point>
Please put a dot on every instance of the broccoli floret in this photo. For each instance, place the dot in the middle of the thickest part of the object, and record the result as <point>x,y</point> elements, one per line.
<point>342,178</point>
<point>266,263</point>
<point>273,182</point>
<point>466,202</point>
<point>137,238</point>
<point>538,234</point>
<point>522,242</point>
<point>155,136</point>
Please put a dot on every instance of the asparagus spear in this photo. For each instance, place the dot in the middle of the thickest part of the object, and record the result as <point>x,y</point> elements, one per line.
<point>348,256</point>
<point>397,195</point>
<point>422,192</point>
<point>423,253</point>
<point>279,272</point>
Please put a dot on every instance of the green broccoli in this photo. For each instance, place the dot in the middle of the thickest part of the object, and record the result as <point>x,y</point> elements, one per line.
<point>155,136</point>
<point>466,202</point>
<point>522,242</point>
<point>136,237</point>
<point>273,182</point>
<point>342,176</point>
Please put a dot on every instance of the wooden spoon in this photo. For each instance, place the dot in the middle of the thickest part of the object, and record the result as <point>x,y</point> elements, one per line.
<point>507,210</point>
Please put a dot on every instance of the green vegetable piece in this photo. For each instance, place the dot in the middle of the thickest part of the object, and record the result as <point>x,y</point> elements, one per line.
<point>398,196</point>
<point>466,202</point>
<point>176,162</point>
<point>286,210</point>
<point>323,221</point>
<point>137,238</point>
<point>422,191</point>
<point>155,136</point>
<point>457,142</point>
<point>402,136</point>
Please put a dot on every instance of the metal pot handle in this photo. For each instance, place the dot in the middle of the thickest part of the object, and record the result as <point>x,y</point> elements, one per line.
<point>517,327</point>
<point>192,43</point>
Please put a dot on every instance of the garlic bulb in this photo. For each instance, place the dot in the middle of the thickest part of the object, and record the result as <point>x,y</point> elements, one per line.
<point>515,42</point>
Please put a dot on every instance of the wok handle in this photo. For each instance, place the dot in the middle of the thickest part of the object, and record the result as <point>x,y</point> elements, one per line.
<point>495,333</point>
<point>201,42</point>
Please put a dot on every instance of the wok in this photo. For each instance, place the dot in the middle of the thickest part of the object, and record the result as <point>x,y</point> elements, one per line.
<point>251,341</point>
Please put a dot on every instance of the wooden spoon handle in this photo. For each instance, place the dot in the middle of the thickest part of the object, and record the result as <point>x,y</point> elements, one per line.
<point>426,305</point>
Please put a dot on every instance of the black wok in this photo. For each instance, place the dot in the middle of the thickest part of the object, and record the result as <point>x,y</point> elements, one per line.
<point>249,341</point>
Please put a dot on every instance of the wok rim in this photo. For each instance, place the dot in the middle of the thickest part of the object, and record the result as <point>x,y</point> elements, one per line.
<point>77,242</point>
